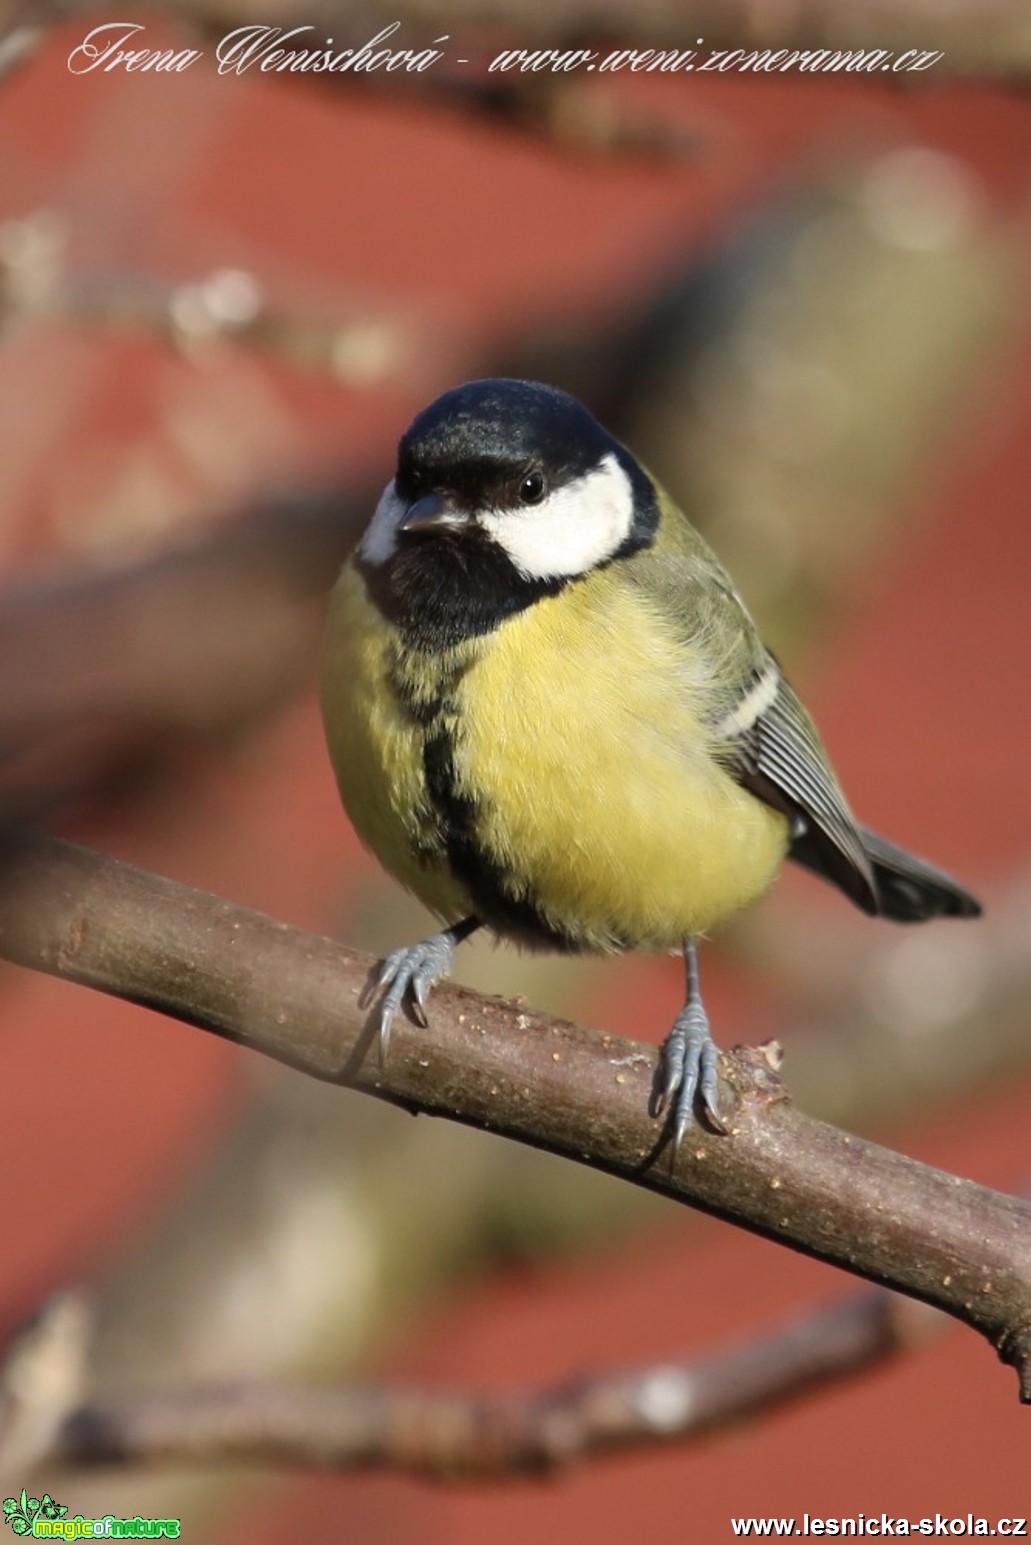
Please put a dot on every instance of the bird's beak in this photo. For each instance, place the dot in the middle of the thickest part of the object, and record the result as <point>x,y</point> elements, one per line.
<point>435,512</point>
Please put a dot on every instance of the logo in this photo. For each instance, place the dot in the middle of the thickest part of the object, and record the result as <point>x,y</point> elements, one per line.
<point>22,1513</point>
<point>41,1518</point>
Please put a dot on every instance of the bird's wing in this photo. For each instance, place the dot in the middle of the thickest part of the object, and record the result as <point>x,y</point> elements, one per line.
<point>779,757</point>
<point>762,733</point>
<point>770,745</point>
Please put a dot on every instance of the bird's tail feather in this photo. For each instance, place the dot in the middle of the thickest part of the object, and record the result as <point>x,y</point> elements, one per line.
<point>911,890</point>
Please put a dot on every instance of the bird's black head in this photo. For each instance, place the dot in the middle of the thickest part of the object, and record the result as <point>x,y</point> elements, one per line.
<point>505,492</point>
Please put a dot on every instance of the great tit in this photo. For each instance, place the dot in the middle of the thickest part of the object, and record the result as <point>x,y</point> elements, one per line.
<point>551,715</point>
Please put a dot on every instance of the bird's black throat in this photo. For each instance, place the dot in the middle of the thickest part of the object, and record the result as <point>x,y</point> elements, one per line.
<point>442,588</point>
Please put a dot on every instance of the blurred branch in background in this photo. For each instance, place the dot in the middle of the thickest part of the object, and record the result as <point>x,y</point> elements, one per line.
<point>450,1436</point>
<point>39,285</point>
<point>103,672</point>
<point>581,1094</point>
<point>43,1376</point>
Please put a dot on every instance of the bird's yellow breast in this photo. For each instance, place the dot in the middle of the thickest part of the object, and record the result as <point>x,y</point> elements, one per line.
<point>376,745</point>
<point>578,742</point>
<point>583,732</point>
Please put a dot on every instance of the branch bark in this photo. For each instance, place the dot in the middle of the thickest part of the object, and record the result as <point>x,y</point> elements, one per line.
<point>577,1092</point>
<point>460,1435</point>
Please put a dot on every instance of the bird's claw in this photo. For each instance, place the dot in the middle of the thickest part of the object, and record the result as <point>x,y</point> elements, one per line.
<point>420,988</point>
<point>689,1071</point>
<point>411,972</point>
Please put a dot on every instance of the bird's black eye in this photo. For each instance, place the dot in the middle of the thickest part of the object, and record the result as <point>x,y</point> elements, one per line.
<point>533,488</point>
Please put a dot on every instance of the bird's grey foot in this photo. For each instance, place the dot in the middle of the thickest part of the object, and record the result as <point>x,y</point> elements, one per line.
<point>412,971</point>
<point>689,1062</point>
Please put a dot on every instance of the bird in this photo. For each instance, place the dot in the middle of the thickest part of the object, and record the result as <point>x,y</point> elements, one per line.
<point>551,715</point>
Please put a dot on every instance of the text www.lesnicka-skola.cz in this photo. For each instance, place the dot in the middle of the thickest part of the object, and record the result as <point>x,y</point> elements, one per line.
<point>881,1525</point>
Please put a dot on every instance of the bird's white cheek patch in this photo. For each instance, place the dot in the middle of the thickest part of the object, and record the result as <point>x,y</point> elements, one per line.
<point>570,531</point>
<point>379,544</point>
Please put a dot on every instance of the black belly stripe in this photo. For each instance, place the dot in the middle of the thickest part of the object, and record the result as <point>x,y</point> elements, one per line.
<point>460,817</point>
<point>451,834</point>
<point>457,818</point>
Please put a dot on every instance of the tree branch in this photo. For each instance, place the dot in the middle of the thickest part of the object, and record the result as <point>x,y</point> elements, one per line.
<point>464,1435</point>
<point>576,1092</point>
